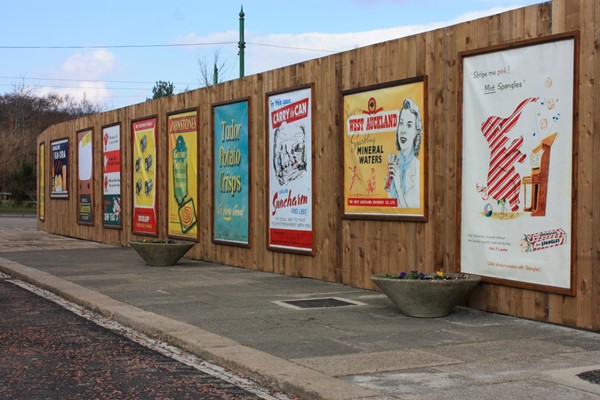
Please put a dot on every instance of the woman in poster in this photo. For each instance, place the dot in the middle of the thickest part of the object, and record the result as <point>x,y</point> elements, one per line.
<point>404,171</point>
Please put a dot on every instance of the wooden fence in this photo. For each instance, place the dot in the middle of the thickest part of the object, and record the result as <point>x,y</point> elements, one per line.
<point>350,250</point>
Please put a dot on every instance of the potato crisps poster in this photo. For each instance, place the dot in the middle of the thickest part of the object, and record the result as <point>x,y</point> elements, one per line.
<point>111,181</point>
<point>183,174</point>
<point>517,164</point>
<point>144,176</point>
<point>231,177</point>
<point>384,152</point>
<point>290,170</point>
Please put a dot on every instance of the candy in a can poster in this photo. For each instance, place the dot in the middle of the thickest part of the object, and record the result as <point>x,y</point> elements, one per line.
<point>290,170</point>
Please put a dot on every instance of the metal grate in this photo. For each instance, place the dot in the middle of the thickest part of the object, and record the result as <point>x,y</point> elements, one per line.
<point>326,302</point>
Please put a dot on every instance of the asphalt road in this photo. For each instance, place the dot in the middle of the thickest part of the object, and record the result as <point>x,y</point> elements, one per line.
<point>48,352</point>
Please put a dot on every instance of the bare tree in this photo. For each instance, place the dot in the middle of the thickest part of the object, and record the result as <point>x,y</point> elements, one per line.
<point>211,73</point>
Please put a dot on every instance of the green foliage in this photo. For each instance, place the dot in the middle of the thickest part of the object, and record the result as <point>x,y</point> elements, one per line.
<point>23,184</point>
<point>162,89</point>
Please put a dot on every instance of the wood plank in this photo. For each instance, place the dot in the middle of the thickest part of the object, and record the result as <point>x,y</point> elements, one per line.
<point>595,165</point>
<point>584,168</point>
<point>558,15</point>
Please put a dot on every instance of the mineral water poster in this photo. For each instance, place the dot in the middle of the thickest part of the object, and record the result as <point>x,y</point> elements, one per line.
<point>231,176</point>
<point>290,170</point>
<point>59,169</point>
<point>41,182</point>
<point>183,174</point>
<point>111,180</point>
<point>144,176</point>
<point>384,152</point>
<point>85,177</point>
<point>517,164</point>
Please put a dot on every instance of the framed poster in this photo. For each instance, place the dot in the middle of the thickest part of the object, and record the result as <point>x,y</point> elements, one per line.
<point>385,157</point>
<point>59,169</point>
<point>111,176</point>
<point>182,175</point>
<point>290,171</point>
<point>85,177</point>
<point>143,136</point>
<point>231,173</point>
<point>41,182</point>
<point>517,163</point>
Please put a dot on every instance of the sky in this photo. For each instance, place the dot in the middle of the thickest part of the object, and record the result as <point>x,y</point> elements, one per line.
<point>81,47</point>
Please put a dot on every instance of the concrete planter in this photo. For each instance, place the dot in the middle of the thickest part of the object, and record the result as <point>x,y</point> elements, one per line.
<point>426,298</point>
<point>161,253</point>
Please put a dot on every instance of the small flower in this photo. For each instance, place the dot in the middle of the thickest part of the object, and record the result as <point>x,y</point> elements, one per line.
<point>438,275</point>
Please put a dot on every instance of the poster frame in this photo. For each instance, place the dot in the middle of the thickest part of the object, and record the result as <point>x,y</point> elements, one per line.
<point>167,155</point>
<point>247,245</point>
<point>425,151</point>
<point>573,35</point>
<point>120,226</point>
<point>270,247</point>
<point>79,222</point>
<point>156,184</point>
<point>54,196</point>
<point>41,181</point>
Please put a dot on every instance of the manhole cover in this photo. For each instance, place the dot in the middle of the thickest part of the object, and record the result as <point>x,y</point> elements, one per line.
<point>591,376</point>
<point>327,302</point>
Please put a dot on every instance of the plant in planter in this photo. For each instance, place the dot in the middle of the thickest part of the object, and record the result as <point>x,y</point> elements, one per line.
<point>161,253</point>
<point>418,294</point>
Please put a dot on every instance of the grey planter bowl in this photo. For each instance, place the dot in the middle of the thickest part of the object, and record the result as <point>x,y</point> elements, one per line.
<point>426,298</point>
<point>161,254</point>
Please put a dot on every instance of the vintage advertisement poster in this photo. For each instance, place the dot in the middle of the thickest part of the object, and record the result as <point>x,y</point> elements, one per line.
<point>231,177</point>
<point>517,163</point>
<point>144,176</point>
<point>384,152</point>
<point>85,177</point>
<point>41,182</point>
<point>183,174</point>
<point>111,180</point>
<point>290,170</point>
<point>59,169</point>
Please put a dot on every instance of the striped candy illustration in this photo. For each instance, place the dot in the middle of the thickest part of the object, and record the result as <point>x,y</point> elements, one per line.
<point>503,180</point>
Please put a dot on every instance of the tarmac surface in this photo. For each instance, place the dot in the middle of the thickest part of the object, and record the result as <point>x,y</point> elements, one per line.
<point>58,351</point>
<point>363,350</point>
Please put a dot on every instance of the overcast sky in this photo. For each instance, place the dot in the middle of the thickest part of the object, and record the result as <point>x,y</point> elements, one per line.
<point>277,33</point>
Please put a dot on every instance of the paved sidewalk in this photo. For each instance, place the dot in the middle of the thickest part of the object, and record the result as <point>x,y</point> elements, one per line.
<point>365,350</point>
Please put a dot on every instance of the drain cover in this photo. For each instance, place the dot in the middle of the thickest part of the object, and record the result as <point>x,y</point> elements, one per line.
<point>326,302</point>
<point>591,376</point>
